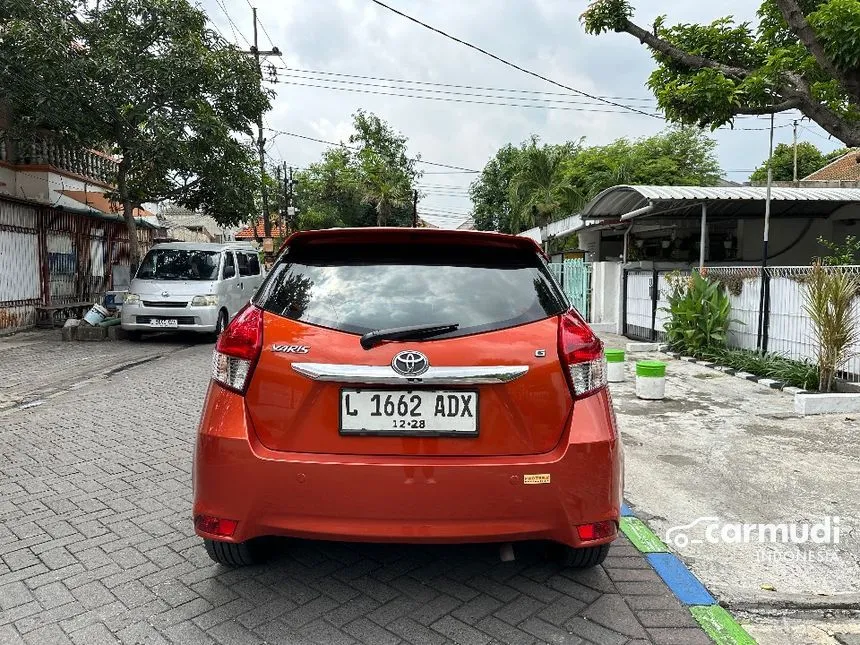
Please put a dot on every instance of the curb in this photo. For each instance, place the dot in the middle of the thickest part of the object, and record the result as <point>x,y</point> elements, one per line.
<point>687,588</point>
<point>763,381</point>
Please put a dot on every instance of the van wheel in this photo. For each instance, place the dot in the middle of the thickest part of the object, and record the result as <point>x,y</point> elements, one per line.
<point>585,557</point>
<point>229,554</point>
<point>134,335</point>
<point>221,325</point>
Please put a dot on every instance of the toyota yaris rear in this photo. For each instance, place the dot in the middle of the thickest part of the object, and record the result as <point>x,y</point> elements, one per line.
<point>408,386</point>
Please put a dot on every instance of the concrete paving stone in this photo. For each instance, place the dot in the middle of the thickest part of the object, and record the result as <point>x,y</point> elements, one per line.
<point>612,612</point>
<point>319,631</point>
<point>413,632</point>
<point>96,634</point>
<point>474,610</point>
<point>503,632</point>
<point>560,611</point>
<point>48,635</point>
<point>266,612</point>
<point>232,633</point>
<point>366,631</point>
<point>14,594</point>
<point>676,617</point>
<point>8,635</point>
<point>141,633</point>
<point>392,610</point>
<point>847,639</point>
<point>93,616</point>
<point>547,633</point>
<point>519,610</point>
<point>682,636</point>
<point>441,605</point>
<point>460,632</point>
<point>53,595</point>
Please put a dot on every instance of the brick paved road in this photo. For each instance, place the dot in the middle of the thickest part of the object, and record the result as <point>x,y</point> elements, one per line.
<point>97,547</point>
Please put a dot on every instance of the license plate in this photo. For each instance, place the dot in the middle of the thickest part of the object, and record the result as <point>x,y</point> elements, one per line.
<point>170,322</point>
<point>414,412</point>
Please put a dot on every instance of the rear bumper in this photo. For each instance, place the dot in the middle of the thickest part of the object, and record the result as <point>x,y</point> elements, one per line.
<point>200,319</point>
<point>406,499</point>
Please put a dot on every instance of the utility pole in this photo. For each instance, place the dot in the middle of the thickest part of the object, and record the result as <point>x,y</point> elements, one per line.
<point>288,187</point>
<point>795,152</point>
<point>414,209</point>
<point>261,141</point>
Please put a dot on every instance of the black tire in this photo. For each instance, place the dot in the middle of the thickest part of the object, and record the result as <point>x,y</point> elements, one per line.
<point>585,558</point>
<point>134,335</point>
<point>232,555</point>
<point>221,325</point>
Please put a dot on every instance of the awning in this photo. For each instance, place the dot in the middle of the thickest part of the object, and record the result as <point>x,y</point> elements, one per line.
<point>101,206</point>
<point>723,201</point>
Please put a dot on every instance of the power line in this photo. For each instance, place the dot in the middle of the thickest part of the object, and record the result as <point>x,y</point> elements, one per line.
<point>343,145</point>
<point>509,63</point>
<point>233,26</point>
<point>453,85</point>
<point>450,100</point>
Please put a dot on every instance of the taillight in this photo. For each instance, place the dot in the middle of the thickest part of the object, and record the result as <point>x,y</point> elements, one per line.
<point>238,349</point>
<point>582,353</point>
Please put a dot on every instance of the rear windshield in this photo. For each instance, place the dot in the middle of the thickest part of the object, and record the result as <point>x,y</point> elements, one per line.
<point>179,264</point>
<point>360,288</point>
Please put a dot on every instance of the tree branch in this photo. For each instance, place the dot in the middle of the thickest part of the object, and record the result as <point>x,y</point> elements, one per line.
<point>679,55</point>
<point>788,104</point>
<point>800,27</point>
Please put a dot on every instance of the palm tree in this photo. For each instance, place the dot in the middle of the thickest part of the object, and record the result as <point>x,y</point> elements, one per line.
<point>541,190</point>
<point>383,185</point>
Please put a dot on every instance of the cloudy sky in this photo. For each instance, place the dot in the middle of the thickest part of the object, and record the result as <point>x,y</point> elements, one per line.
<point>326,44</point>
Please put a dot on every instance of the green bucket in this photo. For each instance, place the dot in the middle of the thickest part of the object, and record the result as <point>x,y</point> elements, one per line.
<point>614,355</point>
<point>652,369</point>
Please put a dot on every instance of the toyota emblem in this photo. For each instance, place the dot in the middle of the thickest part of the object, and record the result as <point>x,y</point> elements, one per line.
<point>164,294</point>
<point>410,363</point>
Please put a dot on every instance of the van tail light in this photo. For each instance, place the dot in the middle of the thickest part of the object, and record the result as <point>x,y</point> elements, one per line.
<point>581,353</point>
<point>238,349</point>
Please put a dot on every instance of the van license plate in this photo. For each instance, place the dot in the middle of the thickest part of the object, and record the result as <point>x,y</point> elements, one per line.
<point>170,322</point>
<point>412,412</point>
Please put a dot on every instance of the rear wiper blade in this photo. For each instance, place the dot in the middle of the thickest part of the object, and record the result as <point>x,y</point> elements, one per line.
<point>415,332</point>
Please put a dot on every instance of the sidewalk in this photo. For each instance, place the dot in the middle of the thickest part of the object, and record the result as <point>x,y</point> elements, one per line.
<point>721,447</point>
<point>38,364</point>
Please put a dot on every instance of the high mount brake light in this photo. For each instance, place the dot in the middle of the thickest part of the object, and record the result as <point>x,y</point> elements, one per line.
<point>238,349</point>
<point>582,352</point>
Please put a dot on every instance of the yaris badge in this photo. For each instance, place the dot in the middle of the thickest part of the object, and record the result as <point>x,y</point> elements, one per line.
<point>410,363</point>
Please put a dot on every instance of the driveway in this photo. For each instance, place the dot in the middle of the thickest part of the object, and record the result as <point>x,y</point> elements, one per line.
<point>725,448</point>
<point>97,546</point>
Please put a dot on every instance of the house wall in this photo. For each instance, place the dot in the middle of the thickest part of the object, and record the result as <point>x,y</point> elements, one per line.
<point>785,232</point>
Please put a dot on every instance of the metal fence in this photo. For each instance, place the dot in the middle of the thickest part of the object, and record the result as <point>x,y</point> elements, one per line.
<point>52,257</point>
<point>574,276</point>
<point>787,328</point>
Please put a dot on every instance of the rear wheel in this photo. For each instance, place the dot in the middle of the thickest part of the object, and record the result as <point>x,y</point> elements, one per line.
<point>134,335</point>
<point>233,555</point>
<point>221,325</point>
<point>585,557</point>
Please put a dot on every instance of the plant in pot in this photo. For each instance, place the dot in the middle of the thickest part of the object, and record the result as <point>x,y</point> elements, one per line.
<point>699,313</point>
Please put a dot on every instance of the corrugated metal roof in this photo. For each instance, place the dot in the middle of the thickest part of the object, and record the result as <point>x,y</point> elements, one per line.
<point>726,200</point>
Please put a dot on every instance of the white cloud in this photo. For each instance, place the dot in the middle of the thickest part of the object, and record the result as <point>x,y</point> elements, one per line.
<point>358,37</point>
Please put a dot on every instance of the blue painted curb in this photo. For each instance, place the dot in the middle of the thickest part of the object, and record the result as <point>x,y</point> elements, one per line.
<point>680,579</point>
<point>625,510</point>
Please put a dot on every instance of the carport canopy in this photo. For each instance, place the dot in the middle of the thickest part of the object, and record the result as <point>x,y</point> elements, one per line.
<point>726,202</point>
<point>623,204</point>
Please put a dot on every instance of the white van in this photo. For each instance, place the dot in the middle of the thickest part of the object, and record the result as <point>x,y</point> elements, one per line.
<point>191,286</point>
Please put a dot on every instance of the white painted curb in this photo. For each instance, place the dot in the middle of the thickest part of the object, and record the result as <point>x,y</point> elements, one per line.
<point>830,403</point>
<point>642,347</point>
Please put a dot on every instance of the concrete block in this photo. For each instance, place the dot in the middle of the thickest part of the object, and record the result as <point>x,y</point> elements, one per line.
<point>773,384</point>
<point>70,329</point>
<point>605,327</point>
<point>747,376</point>
<point>829,403</point>
<point>642,347</point>
<point>116,332</point>
<point>88,333</point>
<point>689,359</point>
<point>707,364</point>
<point>793,390</point>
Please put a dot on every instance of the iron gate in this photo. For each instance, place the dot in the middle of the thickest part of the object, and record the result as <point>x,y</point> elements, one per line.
<point>574,276</point>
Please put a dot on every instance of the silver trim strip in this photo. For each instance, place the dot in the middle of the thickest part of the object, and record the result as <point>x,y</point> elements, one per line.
<point>384,375</point>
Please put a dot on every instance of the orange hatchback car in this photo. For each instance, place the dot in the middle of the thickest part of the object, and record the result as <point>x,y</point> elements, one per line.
<point>408,385</point>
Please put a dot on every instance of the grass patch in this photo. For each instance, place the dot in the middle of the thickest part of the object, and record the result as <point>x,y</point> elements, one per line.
<point>802,374</point>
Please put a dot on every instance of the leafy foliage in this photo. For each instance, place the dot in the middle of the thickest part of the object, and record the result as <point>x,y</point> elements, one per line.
<point>828,300</point>
<point>699,313</point>
<point>803,54</point>
<point>846,253</point>
<point>802,374</point>
<point>809,159</point>
<point>557,180</point>
<point>148,81</point>
<point>367,183</point>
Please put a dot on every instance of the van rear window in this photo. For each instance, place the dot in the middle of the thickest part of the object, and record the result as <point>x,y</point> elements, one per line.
<point>358,288</point>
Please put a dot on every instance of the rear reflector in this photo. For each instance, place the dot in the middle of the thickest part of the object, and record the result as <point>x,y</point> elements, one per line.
<point>596,531</point>
<point>215,525</point>
<point>582,352</point>
<point>238,349</point>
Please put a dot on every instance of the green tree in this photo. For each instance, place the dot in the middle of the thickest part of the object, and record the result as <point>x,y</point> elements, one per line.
<point>809,159</point>
<point>366,183</point>
<point>804,55</point>
<point>541,190</point>
<point>574,173</point>
<point>148,81</point>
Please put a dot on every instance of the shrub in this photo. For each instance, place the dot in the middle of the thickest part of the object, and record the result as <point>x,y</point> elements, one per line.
<point>828,300</point>
<point>699,311</point>
<point>802,374</point>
